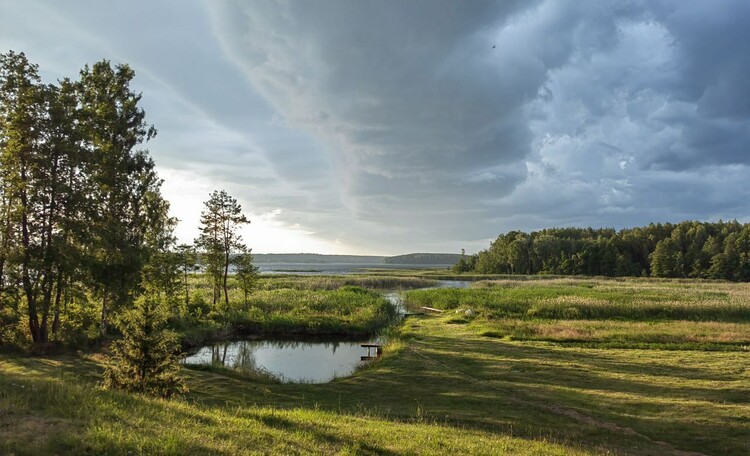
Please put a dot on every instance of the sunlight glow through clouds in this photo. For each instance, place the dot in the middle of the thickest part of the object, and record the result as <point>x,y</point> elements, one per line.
<point>187,190</point>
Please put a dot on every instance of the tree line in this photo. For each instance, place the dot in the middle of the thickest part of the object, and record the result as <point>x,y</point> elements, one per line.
<point>84,229</point>
<point>691,249</point>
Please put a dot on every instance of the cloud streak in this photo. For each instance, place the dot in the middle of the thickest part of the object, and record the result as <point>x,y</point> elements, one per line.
<point>397,126</point>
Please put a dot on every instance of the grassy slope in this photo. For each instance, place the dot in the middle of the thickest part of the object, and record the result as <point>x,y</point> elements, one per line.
<point>54,406</point>
<point>445,388</point>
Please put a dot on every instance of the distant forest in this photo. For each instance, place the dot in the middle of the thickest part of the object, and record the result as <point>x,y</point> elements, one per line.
<point>689,249</point>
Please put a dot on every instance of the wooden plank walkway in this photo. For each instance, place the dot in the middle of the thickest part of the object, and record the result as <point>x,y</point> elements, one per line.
<point>431,309</point>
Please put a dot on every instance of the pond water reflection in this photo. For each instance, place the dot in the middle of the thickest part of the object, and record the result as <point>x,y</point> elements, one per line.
<point>288,360</point>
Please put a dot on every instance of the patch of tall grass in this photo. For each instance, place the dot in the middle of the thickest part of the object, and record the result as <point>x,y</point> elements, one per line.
<point>291,305</point>
<point>345,311</point>
<point>584,303</point>
<point>377,282</point>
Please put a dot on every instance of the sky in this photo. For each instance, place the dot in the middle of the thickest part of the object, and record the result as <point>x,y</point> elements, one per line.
<point>391,126</point>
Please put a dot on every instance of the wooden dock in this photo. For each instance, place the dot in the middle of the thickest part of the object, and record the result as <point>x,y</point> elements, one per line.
<point>378,351</point>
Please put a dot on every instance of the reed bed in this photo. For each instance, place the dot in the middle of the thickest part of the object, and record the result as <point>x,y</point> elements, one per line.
<point>345,311</point>
<point>377,282</point>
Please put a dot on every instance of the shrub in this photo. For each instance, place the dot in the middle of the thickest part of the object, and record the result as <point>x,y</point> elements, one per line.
<point>144,360</point>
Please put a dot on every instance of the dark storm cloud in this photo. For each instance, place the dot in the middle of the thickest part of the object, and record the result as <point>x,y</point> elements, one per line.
<point>426,110</point>
<point>435,125</point>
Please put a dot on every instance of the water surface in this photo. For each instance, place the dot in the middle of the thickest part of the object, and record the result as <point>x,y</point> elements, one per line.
<point>287,360</point>
<point>337,268</point>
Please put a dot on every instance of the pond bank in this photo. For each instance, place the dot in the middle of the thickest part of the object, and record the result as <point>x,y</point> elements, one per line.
<point>305,354</point>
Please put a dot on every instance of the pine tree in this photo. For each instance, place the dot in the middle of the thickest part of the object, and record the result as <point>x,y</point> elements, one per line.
<point>144,360</point>
<point>218,238</point>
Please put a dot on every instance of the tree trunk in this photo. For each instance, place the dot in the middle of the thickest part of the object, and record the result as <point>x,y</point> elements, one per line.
<point>46,305</point>
<point>58,296</point>
<point>217,291</point>
<point>28,287</point>
<point>103,322</point>
<point>48,281</point>
<point>187,291</point>
<point>226,273</point>
<point>2,274</point>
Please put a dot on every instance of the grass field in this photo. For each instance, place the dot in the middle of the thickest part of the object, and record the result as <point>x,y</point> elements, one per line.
<point>602,313</point>
<point>555,366</point>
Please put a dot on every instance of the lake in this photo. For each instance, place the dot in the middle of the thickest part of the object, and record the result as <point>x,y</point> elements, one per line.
<point>338,268</point>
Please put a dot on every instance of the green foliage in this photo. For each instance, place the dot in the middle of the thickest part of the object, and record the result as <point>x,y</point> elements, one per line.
<point>465,263</point>
<point>219,237</point>
<point>688,249</point>
<point>246,272</point>
<point>10,330</point>
<point>144,360</point>
<point>79,326</point>
<point>80,202</point>
<point>127,214</point>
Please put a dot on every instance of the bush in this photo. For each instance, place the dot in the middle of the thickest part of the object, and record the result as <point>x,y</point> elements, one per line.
<point>144,360</point>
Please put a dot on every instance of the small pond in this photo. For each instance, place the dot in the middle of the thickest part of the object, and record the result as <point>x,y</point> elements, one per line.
<point>288,360</point>
<point>295,361</point>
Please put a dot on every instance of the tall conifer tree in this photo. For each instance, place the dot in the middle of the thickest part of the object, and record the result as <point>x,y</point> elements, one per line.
<point>219,237</point>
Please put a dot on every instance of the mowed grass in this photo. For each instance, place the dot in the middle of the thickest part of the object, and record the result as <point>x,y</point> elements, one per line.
<point>694,400</point>
<point>55,407</point>
<point>492,383</point>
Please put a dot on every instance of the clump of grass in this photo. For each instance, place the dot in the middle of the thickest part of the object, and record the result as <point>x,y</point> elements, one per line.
<point>308,308</point>
<point>348,310</point>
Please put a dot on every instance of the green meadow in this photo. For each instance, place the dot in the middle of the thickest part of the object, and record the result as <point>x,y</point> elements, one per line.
<point>545,366</point>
